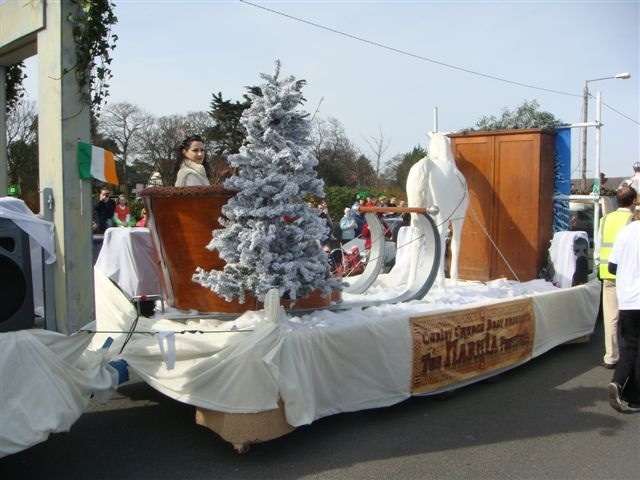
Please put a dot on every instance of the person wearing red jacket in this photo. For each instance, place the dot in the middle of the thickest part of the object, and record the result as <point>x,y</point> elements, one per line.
<point>366,233</point>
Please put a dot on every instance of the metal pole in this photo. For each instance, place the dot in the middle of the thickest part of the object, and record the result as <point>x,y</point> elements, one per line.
<point>597,186</point>
<point>435,119</point>
<point>583,160</point>
<point>585,109</point>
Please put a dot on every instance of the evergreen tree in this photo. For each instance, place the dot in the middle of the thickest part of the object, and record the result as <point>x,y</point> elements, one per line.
<point>227,133</point>
<point>401,165</point>
<point>526,115</point>
<point>270,236</point>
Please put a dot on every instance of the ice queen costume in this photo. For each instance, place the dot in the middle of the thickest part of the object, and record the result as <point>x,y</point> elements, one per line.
<point>191,174</point>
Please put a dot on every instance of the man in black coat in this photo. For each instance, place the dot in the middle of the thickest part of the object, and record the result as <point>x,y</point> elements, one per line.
<point>104,209</point>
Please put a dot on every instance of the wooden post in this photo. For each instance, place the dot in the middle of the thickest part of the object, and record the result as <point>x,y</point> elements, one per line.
<point>62,121</point>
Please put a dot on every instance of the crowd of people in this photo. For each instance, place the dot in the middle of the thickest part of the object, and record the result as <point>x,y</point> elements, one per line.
<point>108,213</point>
<point>353,225</point>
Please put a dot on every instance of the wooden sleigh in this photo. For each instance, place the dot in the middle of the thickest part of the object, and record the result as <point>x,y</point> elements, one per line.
<point>181,221</point>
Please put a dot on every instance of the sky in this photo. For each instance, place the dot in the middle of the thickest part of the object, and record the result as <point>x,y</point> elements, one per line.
<point>383,68</point>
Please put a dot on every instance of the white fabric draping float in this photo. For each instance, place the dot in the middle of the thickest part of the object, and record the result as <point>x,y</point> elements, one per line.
<point>127,257</point>
<point>46,378</point>
<point>40,240</point>
<point>563,259</point>
<point>40,231</point>
<point>317,364</point>
<point>314,365</point>
<point>46,381</point>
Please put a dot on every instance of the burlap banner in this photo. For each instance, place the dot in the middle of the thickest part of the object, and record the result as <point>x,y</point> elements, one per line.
<point>453,346</point>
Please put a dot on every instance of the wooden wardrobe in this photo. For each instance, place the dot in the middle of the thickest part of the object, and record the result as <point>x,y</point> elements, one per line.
<point>508,225</point>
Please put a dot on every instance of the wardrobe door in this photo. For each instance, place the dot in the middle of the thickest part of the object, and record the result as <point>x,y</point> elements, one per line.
<point>474,158</point>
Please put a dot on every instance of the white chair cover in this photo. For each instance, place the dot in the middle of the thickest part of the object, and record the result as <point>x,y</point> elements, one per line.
<point>563,257</point>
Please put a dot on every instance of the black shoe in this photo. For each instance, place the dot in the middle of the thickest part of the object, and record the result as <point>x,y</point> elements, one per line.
<point>609,366</point>
<point>614,397</point>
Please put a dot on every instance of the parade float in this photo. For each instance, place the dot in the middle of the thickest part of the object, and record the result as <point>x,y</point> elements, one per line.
<point>257,361</point>
<point>232,268</point>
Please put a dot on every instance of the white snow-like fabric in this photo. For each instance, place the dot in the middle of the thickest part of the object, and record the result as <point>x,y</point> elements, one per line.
<point>40,239</point>
<point>324,362</point>
<point>346,367</point>
<point>127,257</point>
<point>46,381</point>
<point>39,231</point>
<point>565,314</point>
<point>399,274</point>
<point>217,365</point>
<point>563,258</point>
<point>436,181</point>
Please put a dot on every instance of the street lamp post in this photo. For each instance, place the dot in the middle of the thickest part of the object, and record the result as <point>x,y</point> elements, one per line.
<point>596,183</point>
<point>585,119</point>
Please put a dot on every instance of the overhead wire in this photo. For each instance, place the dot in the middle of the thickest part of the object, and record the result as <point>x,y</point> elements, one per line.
<point>426,59</point>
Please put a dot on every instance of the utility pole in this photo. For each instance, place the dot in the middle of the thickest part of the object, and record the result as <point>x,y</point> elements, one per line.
<point>585,119</point>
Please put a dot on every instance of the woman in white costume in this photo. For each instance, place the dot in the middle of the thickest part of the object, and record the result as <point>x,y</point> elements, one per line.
<point>192,167</point>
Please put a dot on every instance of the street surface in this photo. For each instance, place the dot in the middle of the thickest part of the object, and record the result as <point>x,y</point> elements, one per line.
<point>548,419</point>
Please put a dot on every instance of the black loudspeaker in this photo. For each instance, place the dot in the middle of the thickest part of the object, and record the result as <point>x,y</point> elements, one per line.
<point>16,287</point>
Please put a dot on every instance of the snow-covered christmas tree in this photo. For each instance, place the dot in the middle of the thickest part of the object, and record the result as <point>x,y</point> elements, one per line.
<point>270,236</point>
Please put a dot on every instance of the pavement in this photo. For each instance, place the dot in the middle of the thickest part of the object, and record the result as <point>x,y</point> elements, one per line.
<point>548,419</point>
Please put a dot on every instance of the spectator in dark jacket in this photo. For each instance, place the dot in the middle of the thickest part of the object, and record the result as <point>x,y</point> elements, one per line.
<point>104,210</point>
